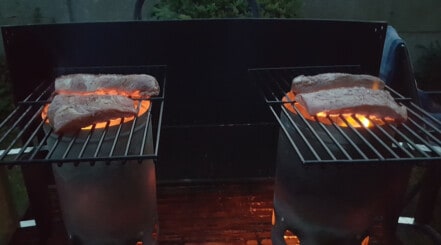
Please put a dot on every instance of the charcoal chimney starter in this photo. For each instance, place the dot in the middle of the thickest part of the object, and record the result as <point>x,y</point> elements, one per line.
<point>109,202</point>
<point>339,177</point>
<point>332,203</point>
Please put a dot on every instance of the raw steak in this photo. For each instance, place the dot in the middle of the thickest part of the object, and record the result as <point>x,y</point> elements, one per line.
<point>135,85</point>
<point>307,84</point>
<point>69,113</point>
<point>358,100</point>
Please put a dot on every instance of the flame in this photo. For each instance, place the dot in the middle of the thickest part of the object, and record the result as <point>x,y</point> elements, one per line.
<point>365,241</point>
<point>143,108</point>
<point>342,120</point>
<point>291,238</point>
<point>364,120</point>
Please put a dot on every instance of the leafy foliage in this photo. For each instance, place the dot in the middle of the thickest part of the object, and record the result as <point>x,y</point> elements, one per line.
<point>428,73</point>
<point>280,8</point>
<point>186,9</point>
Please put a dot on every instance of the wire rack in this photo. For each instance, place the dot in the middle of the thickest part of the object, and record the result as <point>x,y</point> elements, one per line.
<point>418,139</point>
<point>27,139</point>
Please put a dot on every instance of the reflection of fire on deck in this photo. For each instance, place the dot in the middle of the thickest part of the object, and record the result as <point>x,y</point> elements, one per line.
<point>235,213</point>
<point>223,213</point>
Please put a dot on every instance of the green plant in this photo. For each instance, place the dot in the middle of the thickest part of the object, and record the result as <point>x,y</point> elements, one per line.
<point>428,72</point>
<point>37,16</point>
<point>280,8</point>
<point>186,9</point>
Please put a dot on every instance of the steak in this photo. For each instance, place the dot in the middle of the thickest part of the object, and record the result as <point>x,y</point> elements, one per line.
<point>134,85</point>
<point>355,100</point>
<point>307,84</point>
<point>69,113</point>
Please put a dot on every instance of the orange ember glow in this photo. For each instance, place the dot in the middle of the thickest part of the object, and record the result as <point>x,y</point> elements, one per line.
<point>143,107</point>
<point>291,239</point>
<point>343,120</point>
<point>365,241</point>
<point>132,94</point>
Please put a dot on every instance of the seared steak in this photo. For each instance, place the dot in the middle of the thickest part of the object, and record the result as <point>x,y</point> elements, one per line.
<point>135,85</point>
<point>69,113</point>
<point>356,100</point>
<point>307,84</point>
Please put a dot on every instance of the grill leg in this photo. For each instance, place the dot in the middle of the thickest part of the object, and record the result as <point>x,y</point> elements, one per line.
<point>37,178</point>
<point>431,184</point>
<point>278,230</point>
<point>282,224</point>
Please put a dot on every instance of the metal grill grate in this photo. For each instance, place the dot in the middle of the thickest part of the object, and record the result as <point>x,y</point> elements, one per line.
<point>24,135</point>
<point>416,140</point>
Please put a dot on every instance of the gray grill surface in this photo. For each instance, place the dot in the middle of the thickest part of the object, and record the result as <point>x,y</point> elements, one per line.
<point>418,140</point>
<point>24,140</point>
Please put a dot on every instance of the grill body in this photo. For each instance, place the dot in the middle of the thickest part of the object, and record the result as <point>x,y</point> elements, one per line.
<point>107,203</point>
<point>222,131</point>
<point>337,184</point>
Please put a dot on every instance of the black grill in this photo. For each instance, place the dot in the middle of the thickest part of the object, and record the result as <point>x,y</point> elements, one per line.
<point>215,126</point>
<point>24,139</point>
<point>416,140</point>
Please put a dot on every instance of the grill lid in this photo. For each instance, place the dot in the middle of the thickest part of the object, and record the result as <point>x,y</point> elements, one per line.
<point>24,135</point>
<point>417,140</point>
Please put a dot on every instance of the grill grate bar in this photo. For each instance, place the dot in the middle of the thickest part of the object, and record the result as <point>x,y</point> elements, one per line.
<point>278,89</point>
<point>40,145</point>
<point>408,140</point>
<point>20,133</point>
<point>117,136</point>
<point>305,140</point>
<point>41,92</point>
<point>161,111</point>
<point>25,136</point>
<point>291,141</point>
<point>418,139</point>
<point>86,142</point>
<point>334,140</point>
<point>129,141</point>
<point>28,142</point>
<point>365,141</point>
<point>394,142</point>
<point>100,142</point>
<point>69,147</point>
<point>145,133</point>
<point>425,131</point>
<point>373,135</point>
<point>76,161</point>
<point>348,139</point>
<point>8,119</point>
<point>421,139</point>
<point>14,126</point>
<point>52,149</point>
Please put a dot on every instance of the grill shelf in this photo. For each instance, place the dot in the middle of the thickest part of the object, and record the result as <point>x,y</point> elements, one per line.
<point>23,139</point>
<point>418,140</point>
